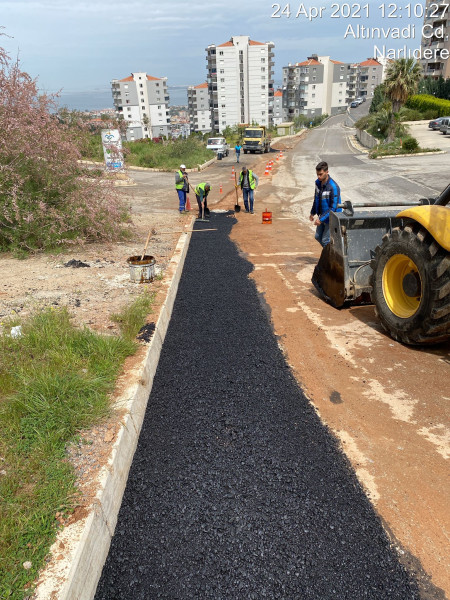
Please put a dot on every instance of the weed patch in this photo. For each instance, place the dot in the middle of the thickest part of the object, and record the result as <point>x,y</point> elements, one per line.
<point>54,381</point>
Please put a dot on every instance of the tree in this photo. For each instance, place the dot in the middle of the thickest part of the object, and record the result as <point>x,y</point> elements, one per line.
<point>379,98</point>
<point>402,80</point>
<point>46,198</point>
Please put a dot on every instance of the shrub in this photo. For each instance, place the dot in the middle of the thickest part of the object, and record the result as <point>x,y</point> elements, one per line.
<point>424,102</point>
<point>410,144</point>
<point>410,114</point>
<point>45,202</point>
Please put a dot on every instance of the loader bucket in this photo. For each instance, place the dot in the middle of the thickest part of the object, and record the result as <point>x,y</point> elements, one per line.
<point>328,276</point>
<point>343,273</point>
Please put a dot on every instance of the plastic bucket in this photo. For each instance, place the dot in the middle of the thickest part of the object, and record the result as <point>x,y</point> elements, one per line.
<point>267,217</point>
<point>141,271</point>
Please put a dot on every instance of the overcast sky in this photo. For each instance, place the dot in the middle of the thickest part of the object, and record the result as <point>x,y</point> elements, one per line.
<point>80,46</point>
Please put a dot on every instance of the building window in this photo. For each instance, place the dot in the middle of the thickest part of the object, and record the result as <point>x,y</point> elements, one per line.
<point>126,86</point>
<point>222,80</point>
<point>157,84</point>
<point>142,100</point>
<point>313,87</point>
<point>129,108</point>
<point>341,77</point>
<point>221,53</point>
<point>222,71</point>
<point>263,60</point>
<point>142,93</point>
<point>140,85</point>
<point>159,107</point>
<point>263,87</point>
<point>342,68</point>
<point>223,105</point>
<point>263,69</point>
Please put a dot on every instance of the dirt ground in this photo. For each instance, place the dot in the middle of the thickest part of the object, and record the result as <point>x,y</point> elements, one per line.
<point>92,281</point>
<point>387,403</point>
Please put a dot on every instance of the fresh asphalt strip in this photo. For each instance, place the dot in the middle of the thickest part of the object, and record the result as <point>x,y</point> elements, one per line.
<point>237,490</point>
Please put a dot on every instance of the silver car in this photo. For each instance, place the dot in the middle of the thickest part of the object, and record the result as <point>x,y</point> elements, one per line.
<point>445,125</point>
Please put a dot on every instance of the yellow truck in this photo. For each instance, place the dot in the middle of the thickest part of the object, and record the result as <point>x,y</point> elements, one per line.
<point>255,139</point>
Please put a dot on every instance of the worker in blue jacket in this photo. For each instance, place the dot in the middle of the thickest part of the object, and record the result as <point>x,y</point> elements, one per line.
<point>327,196</point>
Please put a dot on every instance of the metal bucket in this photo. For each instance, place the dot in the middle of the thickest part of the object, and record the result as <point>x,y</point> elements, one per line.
<point>141,271</point>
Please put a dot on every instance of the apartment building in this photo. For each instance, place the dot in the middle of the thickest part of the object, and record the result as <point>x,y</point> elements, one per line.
<point>363,79</point>
<point>240,82</point>
<point>198,107</point>
<point>142,101</point>
<point>435,46</point>
<point>314,87</point>
<point>279,112</point>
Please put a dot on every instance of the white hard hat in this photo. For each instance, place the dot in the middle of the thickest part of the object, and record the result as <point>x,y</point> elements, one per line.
<point>182,166</point>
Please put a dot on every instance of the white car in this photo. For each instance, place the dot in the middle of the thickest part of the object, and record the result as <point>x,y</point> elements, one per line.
<point>218,144</point>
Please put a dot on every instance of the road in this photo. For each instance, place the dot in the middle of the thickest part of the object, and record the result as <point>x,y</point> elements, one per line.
<point>386,404</point>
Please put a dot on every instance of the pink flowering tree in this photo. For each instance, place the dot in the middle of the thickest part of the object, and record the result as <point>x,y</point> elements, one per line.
<point>46,199</point>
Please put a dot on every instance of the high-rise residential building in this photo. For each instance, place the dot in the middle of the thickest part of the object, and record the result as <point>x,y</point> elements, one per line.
<point>142,101</point>
<point>314,87</point>
<point>198,107</point>
<point>363,79</point>
<point>435,47</point>
<point>240,82</point>
<point>279,113</point>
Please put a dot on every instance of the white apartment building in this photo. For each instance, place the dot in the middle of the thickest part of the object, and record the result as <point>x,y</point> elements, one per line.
<point>240,82</point>
<point>142,101</point>
<point>435,45</point>
<point>314,87</point>
<point>198,107</point>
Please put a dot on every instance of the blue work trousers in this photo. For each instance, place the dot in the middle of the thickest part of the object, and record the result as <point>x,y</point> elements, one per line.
<point>323,234</point>
<point>182,198</point>
<point>248,195</point>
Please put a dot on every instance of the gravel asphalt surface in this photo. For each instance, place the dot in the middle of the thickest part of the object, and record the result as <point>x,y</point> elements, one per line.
<point>237,490</point>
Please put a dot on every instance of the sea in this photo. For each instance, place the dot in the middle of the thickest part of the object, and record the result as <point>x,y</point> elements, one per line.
<point>99,99</point>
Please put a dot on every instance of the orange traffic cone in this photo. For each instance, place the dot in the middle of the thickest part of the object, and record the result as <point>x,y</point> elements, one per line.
<point>232,173</point>
<point>188,204</point>
<point>220,188</point>
<point>266,172</point>
<point>270,165</point>
<point>281,154</point>
<point>278,157</point>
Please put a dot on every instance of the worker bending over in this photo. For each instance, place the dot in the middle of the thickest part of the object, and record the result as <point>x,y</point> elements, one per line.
<point>201,193</point>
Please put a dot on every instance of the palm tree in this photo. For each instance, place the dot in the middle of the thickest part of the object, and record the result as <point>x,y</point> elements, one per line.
<point>401,82</point>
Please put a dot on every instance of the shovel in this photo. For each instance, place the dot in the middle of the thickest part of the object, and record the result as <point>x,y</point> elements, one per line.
<point>237,208</point>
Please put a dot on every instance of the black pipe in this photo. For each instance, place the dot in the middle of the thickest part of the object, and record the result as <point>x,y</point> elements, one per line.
<point>444,198</point>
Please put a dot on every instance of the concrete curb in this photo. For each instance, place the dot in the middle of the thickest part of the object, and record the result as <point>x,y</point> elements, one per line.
<point>150,169</point>
<point>75,574</point>
<point>409,155</point>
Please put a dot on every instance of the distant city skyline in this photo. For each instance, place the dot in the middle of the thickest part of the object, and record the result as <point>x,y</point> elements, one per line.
<point>79,48</point>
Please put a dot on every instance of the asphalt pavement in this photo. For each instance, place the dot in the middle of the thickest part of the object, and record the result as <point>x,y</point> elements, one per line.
<point>237,489</point>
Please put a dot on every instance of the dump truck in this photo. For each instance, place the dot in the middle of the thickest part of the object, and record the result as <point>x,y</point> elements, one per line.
<point>255,139</point>
<point>396,256</point>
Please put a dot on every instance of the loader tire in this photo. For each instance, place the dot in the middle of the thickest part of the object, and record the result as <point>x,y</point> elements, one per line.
<point>411,286</point>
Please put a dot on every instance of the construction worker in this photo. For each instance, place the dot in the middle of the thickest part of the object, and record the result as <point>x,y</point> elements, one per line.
<point>182,187</point>
<point>248,182</point>
<point>201,193</point>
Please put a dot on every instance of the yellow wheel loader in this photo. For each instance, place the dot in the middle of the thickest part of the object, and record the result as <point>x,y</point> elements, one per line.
<point>398,259</point>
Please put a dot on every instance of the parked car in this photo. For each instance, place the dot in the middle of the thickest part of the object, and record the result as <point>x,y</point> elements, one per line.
<point>445,125</point>
<point>219,145</point>
<point>435,123</point>
<point>360,100</point>
<point>354,104</point>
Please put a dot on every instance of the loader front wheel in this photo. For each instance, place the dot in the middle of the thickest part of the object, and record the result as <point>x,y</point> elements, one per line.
<point>411,286</point>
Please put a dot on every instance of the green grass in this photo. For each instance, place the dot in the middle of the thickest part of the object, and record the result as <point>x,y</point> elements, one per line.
<point>132,317</point>
<point>55,380</point>
<point>146,153</point>
<point>395,148</point>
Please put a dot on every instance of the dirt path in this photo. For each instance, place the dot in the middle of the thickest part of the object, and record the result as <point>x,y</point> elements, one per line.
<point>387,403</point>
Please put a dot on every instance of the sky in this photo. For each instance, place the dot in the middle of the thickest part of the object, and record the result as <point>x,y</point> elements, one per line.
<point>78,47</point>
